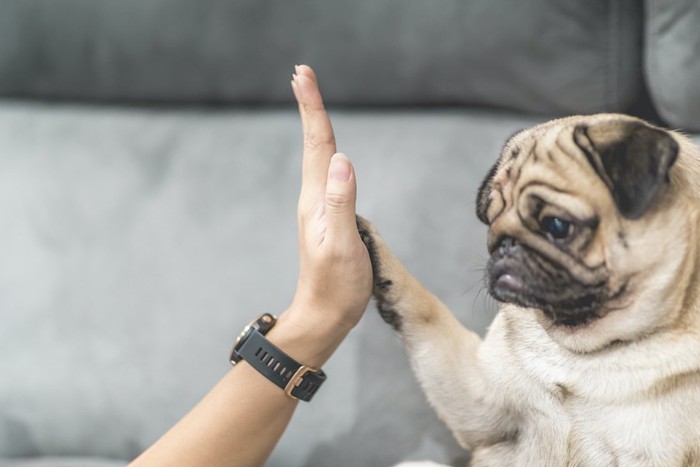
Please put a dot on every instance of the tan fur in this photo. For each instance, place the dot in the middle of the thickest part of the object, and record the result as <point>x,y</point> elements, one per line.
<point>623,389</point>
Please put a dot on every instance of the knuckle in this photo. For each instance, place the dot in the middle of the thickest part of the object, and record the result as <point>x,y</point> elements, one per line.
<point>307,209</point>
<point>313,140</point>
<point>303,212</point>
<point>338,202</point>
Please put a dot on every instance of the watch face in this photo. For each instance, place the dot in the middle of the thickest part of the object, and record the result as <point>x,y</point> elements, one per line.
<point>235,358</point>
<point>243,334</point>
<point>262,324</point>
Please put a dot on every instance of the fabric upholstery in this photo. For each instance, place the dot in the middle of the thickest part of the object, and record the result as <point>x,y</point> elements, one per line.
<point>672,64</point>
<point>552,56</point>
<point>136,240</point>
<point>136,244</point>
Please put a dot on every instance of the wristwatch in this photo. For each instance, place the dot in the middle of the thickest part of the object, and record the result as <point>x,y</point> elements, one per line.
<point>298,381</point>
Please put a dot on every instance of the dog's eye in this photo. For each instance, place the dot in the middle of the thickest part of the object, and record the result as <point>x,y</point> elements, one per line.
<point>556,227</point>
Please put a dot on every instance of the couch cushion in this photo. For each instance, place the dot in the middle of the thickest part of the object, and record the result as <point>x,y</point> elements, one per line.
<point>136,244</point>
<point>672,64</point>
<point>542,55</point>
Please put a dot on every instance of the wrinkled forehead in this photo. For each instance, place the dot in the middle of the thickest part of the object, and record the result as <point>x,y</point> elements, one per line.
<point>528,137</point>
<point>547,151</point>
<point>550,130</point>
<point>627,156</point>
<point>522,145</point>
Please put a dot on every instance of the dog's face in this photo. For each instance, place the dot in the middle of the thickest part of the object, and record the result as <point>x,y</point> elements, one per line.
<point>587,229</point>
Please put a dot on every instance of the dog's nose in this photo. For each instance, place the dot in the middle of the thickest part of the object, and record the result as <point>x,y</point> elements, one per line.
<point>506,246</point>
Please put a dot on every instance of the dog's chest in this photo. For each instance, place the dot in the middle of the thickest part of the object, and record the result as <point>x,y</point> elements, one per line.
<point>655,431</point>
<point>580,413</point>
<point>570,429</point>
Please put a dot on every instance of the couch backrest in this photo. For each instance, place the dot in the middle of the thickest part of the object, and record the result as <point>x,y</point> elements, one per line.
<point>553,56</point>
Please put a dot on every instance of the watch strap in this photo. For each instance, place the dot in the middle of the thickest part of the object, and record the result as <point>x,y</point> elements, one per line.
<point>298,381</point>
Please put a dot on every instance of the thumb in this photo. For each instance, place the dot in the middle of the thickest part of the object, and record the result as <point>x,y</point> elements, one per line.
<point>341,192</point>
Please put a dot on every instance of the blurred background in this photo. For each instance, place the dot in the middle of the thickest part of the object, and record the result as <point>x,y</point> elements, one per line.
<point>149,168</point>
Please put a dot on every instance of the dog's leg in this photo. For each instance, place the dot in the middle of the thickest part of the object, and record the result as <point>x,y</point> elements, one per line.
<point>444,354</point>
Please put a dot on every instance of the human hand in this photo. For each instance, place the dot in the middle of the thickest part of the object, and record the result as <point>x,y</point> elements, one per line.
<point>335,277</point>
<point>335,282</point>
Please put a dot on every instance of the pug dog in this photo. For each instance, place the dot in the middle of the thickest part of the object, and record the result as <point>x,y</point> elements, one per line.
<point>594,356</point>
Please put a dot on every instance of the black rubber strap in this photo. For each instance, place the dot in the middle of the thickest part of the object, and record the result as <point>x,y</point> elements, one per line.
<point>279,367</point>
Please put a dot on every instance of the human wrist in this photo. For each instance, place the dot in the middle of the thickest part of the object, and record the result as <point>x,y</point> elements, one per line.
<point>308,337</point>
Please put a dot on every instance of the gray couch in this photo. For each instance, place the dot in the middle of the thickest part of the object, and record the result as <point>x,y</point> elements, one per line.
<point>149,168</point>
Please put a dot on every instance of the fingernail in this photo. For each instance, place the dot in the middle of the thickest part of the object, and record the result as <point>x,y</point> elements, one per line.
<point>296,69</point>
<point>340,169</point>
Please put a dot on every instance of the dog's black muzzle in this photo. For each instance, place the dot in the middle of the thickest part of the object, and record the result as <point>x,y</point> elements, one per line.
<point>520,275</point>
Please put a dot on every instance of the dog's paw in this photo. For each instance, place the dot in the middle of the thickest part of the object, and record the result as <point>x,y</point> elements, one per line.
<point>383,267</point>
<point>377,254</point>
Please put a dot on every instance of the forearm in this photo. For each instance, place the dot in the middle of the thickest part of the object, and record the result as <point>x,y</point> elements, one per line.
<point>240,421</point>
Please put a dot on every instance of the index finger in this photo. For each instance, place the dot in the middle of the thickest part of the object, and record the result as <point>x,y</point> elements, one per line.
<point>319,141</point>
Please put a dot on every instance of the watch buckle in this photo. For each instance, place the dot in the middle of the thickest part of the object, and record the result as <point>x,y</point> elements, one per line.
<point>295,381</point>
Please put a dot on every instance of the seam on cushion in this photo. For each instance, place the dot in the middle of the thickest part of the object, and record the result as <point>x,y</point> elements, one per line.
<point>651,48</point>
<point>650,58</point>
<point>611,78</point>
<point>608,55</point>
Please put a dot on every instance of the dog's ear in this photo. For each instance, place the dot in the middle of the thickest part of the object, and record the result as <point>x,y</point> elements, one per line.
<point>632,158</point>
<point>484,195</point>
